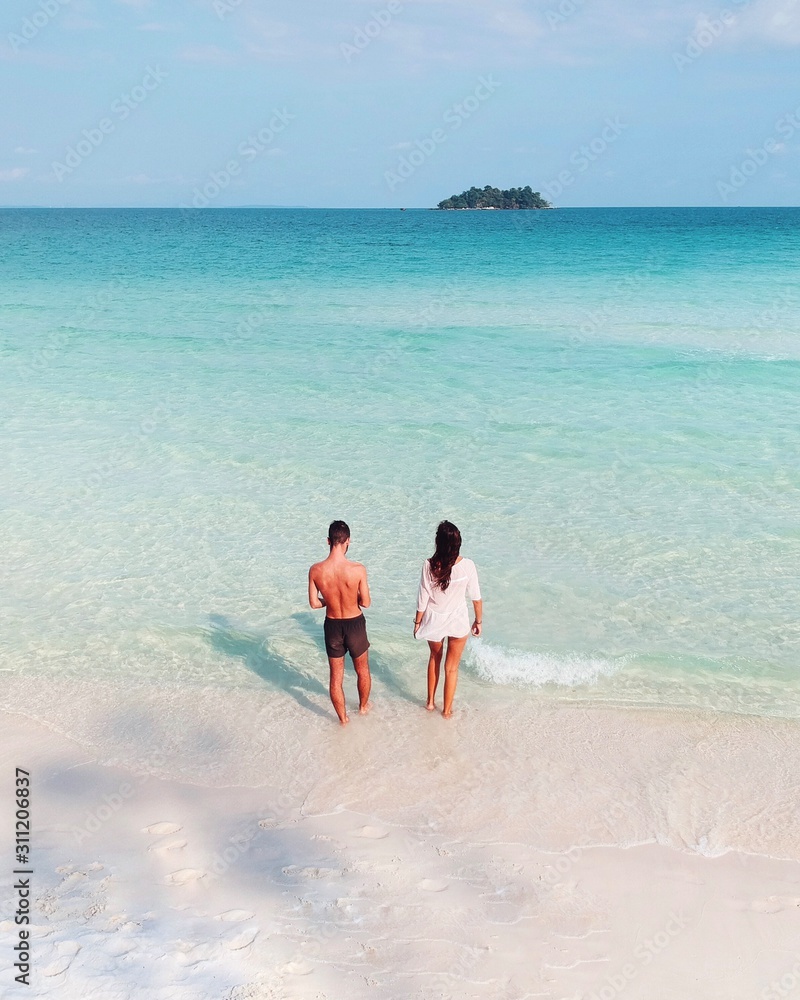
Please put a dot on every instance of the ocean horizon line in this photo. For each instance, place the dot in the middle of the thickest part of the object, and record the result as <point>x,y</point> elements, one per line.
<point>389,208</point>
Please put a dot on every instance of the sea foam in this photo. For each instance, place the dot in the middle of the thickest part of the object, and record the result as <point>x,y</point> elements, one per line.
<point>512,666</point>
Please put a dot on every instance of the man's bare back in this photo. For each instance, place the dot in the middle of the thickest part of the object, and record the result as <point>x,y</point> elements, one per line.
<point>340,586</point>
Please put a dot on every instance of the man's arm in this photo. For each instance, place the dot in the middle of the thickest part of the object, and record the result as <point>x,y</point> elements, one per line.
<point>314,598</point>
<point>364,599</point>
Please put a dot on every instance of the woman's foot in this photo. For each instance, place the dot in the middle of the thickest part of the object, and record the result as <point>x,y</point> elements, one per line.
<point>447,715</point>
<point>430,706</point>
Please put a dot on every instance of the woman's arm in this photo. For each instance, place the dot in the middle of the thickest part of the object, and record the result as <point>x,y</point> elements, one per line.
<point>423,597</point>
<point>474,591</point>
<point>476,625</point>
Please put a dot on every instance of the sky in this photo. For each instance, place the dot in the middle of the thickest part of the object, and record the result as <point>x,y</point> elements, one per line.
<point>398,103</point>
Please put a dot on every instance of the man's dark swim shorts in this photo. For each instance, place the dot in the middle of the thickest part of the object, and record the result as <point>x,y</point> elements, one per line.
<point>346,635</point>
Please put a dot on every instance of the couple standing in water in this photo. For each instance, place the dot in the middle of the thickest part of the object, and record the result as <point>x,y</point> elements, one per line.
<point>340,586</point>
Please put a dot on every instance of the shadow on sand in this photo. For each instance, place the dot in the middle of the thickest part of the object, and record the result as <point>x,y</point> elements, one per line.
<point>379,669</point>
<point>254,650</point>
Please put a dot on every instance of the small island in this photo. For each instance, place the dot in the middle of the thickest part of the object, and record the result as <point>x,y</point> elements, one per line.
<point>493,198</point>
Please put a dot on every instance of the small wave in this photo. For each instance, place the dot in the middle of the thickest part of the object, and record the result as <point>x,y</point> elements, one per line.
<point>511,666</point>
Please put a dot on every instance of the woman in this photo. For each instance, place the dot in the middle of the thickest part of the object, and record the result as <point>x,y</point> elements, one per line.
<point>447,578</point>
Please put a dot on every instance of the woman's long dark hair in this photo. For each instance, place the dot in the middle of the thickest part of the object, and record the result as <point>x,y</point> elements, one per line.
<point>448,546</point>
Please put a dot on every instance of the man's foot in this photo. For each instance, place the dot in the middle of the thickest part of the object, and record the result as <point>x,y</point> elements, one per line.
<point>365,708</point>
<point>345,720</point>
<point>430,706</point>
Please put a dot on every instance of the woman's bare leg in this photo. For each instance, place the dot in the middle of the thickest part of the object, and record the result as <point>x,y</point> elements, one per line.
<point>434,664</point>
<point>455,647</point>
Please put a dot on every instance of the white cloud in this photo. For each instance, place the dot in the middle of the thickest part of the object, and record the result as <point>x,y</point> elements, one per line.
<point>14,174</point>
<point>496,33</point>
<point>157,26</point>
<point>24,151</point>
<point>775,21</point>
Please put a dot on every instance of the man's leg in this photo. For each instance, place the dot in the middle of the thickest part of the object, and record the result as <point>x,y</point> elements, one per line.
<point>434,666</point>
<point>337,687</point>
<point>361,664</point>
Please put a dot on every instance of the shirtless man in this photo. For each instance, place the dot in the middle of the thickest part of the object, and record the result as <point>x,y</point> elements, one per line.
<point>341,587</point>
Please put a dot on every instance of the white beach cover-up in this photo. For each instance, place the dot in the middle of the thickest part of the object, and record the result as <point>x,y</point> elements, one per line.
<point>444,612</point>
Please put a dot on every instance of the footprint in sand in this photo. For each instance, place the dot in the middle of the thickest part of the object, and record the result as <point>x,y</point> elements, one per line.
<point>116,949</point>
<point>247,937</point>
<point>433,885</point>
<point>72,879</point>
<point>298,968</point>
<point>162,829</point>
<point>168,844</point>
<point>67,950</point>
<point>36,930</point>
<point>372,832</point>
<point>192,955</point>
<point>296,872</point>
<point>268,824</point>
<point>184,876</point>
<point>235,916</point>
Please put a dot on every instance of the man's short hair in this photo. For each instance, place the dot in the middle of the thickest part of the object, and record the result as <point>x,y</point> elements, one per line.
<point>338,533</point>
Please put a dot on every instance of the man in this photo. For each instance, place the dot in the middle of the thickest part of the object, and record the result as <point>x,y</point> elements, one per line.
<point>340,586</point>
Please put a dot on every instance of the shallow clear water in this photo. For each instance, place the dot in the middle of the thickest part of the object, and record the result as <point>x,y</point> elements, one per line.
<point>605,401</point>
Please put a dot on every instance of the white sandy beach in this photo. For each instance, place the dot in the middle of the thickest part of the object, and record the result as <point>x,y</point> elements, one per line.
<point>399,861</point>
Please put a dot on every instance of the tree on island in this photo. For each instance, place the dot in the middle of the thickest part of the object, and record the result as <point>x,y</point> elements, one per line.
<point>491,197</point>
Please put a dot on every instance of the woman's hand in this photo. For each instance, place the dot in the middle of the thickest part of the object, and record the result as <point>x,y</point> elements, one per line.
<point>477,627</point>
<point>416,628</point>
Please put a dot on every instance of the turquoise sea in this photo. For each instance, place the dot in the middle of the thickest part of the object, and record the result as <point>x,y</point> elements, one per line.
<point>607,402</point>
